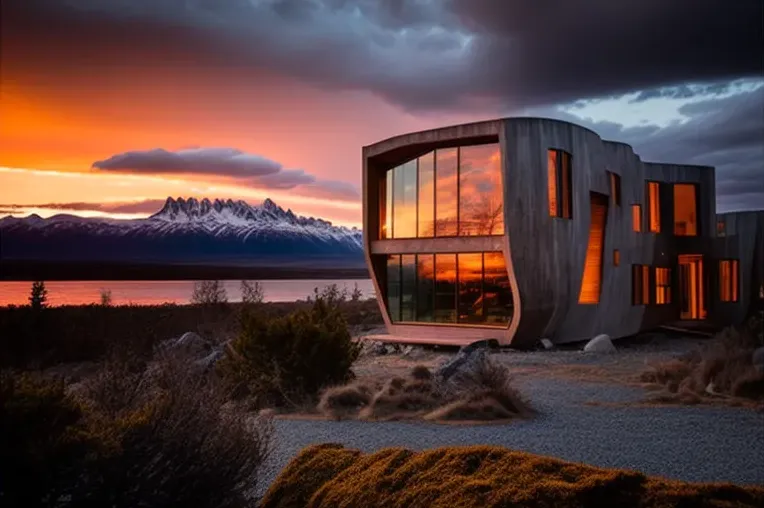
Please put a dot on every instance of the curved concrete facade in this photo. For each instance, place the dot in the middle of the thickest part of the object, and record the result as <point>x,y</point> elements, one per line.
<point>545,256</point>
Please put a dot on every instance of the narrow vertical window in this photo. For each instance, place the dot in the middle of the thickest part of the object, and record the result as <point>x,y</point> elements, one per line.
<point>636,285</point>
<point>636,218</point>
<point>386,206</point>
<point>662,286</point>
<point>446,191</point>
<point>645,285</point>
<point>615,188</point>
<point>728,280</point>
<point>653,207</point>
<point>445,288</point>
<point>552,183</point>
<point>408,287</point>
<point>616,257</point>
<point>470,291</point>
<point>592,276</point>
<point>394,287</point>
<point>559,184</point>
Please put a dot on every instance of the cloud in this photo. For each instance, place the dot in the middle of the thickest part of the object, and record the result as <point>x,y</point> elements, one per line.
<point>252,169</point>
<point>146,206</point>
<point>727,133</point>
<point>219,161</point>
<point>418,54</point>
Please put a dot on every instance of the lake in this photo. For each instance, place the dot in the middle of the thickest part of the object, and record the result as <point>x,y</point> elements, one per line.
<point>171,291</point>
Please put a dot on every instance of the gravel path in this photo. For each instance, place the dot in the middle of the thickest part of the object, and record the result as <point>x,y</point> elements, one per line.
<point>693,443</point>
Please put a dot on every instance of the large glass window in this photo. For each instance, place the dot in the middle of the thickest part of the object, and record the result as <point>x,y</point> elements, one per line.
<point>427,196</point>
<point>470,288</point>
<point>463,288</point>
<point>404,200</point>
<point>445,288</point>
<point>408,287</point>
<point>481,207</point>
<point>394,287</point>
<point>425,296</point>
<point>445,193</point>
<point>496,290</point>
<point>685,210</point>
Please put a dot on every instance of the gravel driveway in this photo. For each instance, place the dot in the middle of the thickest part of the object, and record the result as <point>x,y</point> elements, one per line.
<point>693,443</point>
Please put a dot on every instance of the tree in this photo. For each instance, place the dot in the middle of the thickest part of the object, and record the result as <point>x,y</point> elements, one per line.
<point>106,297</point>
<point>356,294</point>
<point>209,292</point>
<point>252,292</point>
<point>39,296</point>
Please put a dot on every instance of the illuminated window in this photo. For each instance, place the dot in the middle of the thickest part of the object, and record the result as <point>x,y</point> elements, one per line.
<point>721,228</point>
<point>728,280</point>
<point>636,218</point>
<point>592,276</point>
<point>616,257</point>
<point>685,210</point>
<point>653,207</point>
<point>640,284</point>
<point>481,204</point>
<point>386,206</point>
<point>464,288</point>
<point>662,286</point>
<point>559,184</point>
<point>615,188</point>
<point>426,196</point>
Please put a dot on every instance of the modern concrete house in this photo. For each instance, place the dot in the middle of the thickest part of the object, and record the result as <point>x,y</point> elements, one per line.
<point>522,228</point>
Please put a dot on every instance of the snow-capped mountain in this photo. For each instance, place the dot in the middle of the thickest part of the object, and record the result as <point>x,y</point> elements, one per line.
<point>186,231</point>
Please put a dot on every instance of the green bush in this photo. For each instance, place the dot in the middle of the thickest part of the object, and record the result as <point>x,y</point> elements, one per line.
<point>285,359</point>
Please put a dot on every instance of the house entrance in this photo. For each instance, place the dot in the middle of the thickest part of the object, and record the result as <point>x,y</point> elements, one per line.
<point>692,287</point>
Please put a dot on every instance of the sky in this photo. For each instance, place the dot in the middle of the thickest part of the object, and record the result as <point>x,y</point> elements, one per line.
<point>109,107</point>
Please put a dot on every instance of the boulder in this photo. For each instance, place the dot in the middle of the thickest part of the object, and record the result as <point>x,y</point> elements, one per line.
<point>600,344</point>
<point>192,343</point>
<point>464,361</point>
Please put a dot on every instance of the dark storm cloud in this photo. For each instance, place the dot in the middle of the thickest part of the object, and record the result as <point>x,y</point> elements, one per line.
<point>221,161</point>
<point>245,168</point>
<point>727,133</point>
<point>416,53</point>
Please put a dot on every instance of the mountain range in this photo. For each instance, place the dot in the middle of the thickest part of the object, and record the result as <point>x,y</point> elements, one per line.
<point>188,232</point>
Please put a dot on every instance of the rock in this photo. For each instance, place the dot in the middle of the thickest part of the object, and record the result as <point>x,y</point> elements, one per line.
<point>600,344</point>
<point>191,343</point>
<point>375,348</point>
<point>210,360</point>
<point>547,344</point>
<point>464,361</point>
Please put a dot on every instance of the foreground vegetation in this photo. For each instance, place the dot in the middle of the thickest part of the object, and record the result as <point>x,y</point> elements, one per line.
<point>480,476</point>
<point>723,368</point>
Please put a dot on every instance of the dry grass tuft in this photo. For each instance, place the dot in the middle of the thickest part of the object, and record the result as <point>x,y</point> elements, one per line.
<point>421,372</point>
<point>346,400</point>
<point>486,393</point>
<point>723,368</point>
<point>481,476</point>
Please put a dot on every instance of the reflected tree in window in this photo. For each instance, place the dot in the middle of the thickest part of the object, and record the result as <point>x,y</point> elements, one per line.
<point>481,210</point>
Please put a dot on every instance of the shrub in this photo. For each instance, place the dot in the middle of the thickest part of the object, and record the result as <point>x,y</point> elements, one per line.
<point>42,452</point>
<point>346,400</point>
<point>478,476</point>
<point>283,360</point>
<point>173,442</point>
<point>106,299</point>
<point>209,292</point>
<point>725,365</point>
<point>252,293</point>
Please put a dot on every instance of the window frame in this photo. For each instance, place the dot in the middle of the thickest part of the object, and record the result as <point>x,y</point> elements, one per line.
<point>662,278</point>
<point>562,176</point>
